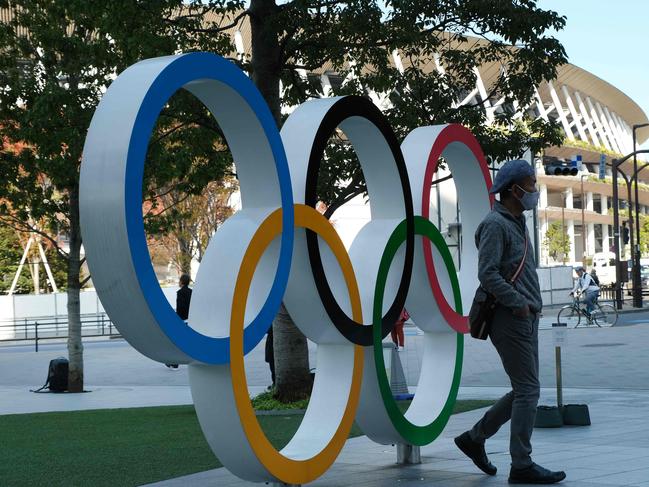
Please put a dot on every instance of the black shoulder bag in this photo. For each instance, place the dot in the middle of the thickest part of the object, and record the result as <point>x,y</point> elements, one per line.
<point>484,304</point>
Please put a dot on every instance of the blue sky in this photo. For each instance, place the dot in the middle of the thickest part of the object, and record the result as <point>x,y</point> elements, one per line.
<point>611,40</point>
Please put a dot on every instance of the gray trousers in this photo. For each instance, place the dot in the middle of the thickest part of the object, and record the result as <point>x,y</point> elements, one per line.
<point>516,340</point>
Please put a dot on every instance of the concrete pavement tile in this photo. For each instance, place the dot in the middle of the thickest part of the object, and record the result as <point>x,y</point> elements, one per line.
<point>624,452</point>
<point>577,473</point>
<point>361,475</point>
<point>624,478</point>
<point>616,443</point>
<point>219,476</point>
<point>463,466</point>
<point>588,462</point>
<point>637,443</point>
<point>603,462</point>
<point>581,483</point>
<point>443,455</point>
<point>563,456</point>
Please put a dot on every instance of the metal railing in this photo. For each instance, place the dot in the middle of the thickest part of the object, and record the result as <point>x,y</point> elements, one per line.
<point>41,328</point>
<point>607,293</point>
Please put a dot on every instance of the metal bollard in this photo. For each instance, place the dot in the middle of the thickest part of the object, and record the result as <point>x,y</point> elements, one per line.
<point>559,337</point>
<point>408,454</point>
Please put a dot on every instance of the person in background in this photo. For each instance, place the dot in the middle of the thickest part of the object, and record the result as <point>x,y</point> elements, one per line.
<point>593,274</point>
<point>269,355</point>
<point>183,298</point>
<point>397,331</point>
<point>587,288</point>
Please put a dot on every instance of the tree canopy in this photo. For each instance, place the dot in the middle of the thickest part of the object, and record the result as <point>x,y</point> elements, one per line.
<point>556,241</point>
<point>57,58</point>
<point>418,60</point>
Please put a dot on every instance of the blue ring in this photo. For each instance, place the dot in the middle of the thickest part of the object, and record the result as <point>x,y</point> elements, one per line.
<point>184,69</point>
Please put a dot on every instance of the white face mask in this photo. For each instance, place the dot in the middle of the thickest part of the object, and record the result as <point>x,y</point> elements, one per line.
<point>529,200</point>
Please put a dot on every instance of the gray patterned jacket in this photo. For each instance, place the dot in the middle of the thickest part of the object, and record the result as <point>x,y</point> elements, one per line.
<point>500,240</point>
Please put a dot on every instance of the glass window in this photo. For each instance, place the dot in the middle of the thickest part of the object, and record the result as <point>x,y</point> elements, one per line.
<point>598,238</point>
<point>576,201</point>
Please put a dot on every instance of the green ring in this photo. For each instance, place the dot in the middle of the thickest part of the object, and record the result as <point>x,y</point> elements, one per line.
<point>413,434</point>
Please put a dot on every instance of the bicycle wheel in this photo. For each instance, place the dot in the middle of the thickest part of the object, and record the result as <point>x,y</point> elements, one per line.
<point>570,316</point>
<point>605,315</point>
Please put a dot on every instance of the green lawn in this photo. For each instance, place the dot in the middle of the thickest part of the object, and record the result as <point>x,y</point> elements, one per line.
<point>119,447</point>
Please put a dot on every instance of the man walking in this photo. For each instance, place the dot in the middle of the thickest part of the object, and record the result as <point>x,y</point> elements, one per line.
<point>501,239</point>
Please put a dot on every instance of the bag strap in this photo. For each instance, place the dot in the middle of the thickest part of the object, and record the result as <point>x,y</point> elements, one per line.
<point>520,266</point>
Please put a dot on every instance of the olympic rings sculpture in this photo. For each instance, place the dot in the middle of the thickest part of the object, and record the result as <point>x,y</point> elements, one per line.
<point>278,248</point>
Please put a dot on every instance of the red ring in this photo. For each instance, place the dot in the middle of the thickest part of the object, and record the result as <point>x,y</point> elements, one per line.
<point>451,133</point>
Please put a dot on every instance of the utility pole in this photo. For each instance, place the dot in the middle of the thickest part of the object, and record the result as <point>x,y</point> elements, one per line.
<point>616,235</point>
<point>583,224</point>
<point>616,222</point>
<point>637,282</point>
<point>563,227</point>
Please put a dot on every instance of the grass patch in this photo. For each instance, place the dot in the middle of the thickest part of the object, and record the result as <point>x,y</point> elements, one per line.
<point>266,402</point>
<point>464,405</point>
<point>121,447</point>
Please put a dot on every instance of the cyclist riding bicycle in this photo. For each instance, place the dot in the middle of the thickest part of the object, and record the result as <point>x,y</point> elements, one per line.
<point>587,288</point>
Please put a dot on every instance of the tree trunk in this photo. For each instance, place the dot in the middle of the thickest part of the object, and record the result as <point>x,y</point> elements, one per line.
<point>75,345</point>
<point>293,379</point>
<point>265,60</point>
<point>184,257</point>
<point>37,278</point>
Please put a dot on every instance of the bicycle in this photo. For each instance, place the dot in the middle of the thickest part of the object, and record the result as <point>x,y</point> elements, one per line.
<point>602,314</point>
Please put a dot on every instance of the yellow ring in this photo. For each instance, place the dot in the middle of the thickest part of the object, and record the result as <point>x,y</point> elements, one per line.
<point>285,469</point>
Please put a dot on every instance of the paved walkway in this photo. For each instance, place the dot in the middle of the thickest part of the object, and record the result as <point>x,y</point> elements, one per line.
<point>119,376</point>
<point>614,451</point>
<point>607,368</point>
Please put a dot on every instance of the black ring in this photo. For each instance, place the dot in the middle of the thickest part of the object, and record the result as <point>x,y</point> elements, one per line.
<point>356,106</point>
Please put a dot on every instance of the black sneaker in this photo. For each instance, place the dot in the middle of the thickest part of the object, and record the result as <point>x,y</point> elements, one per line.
<point>535,474</point>
<point>476,452</point>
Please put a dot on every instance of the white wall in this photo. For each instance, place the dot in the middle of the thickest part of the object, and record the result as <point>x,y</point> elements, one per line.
<point>556,284</point>
<point>6,313</point>
<point>33,306</point>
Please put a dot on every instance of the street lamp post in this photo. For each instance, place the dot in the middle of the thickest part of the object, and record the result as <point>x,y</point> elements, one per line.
<point>629,181</point>
<point>616,223</point>
<point>563,227</point>
<point>637,284</point>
